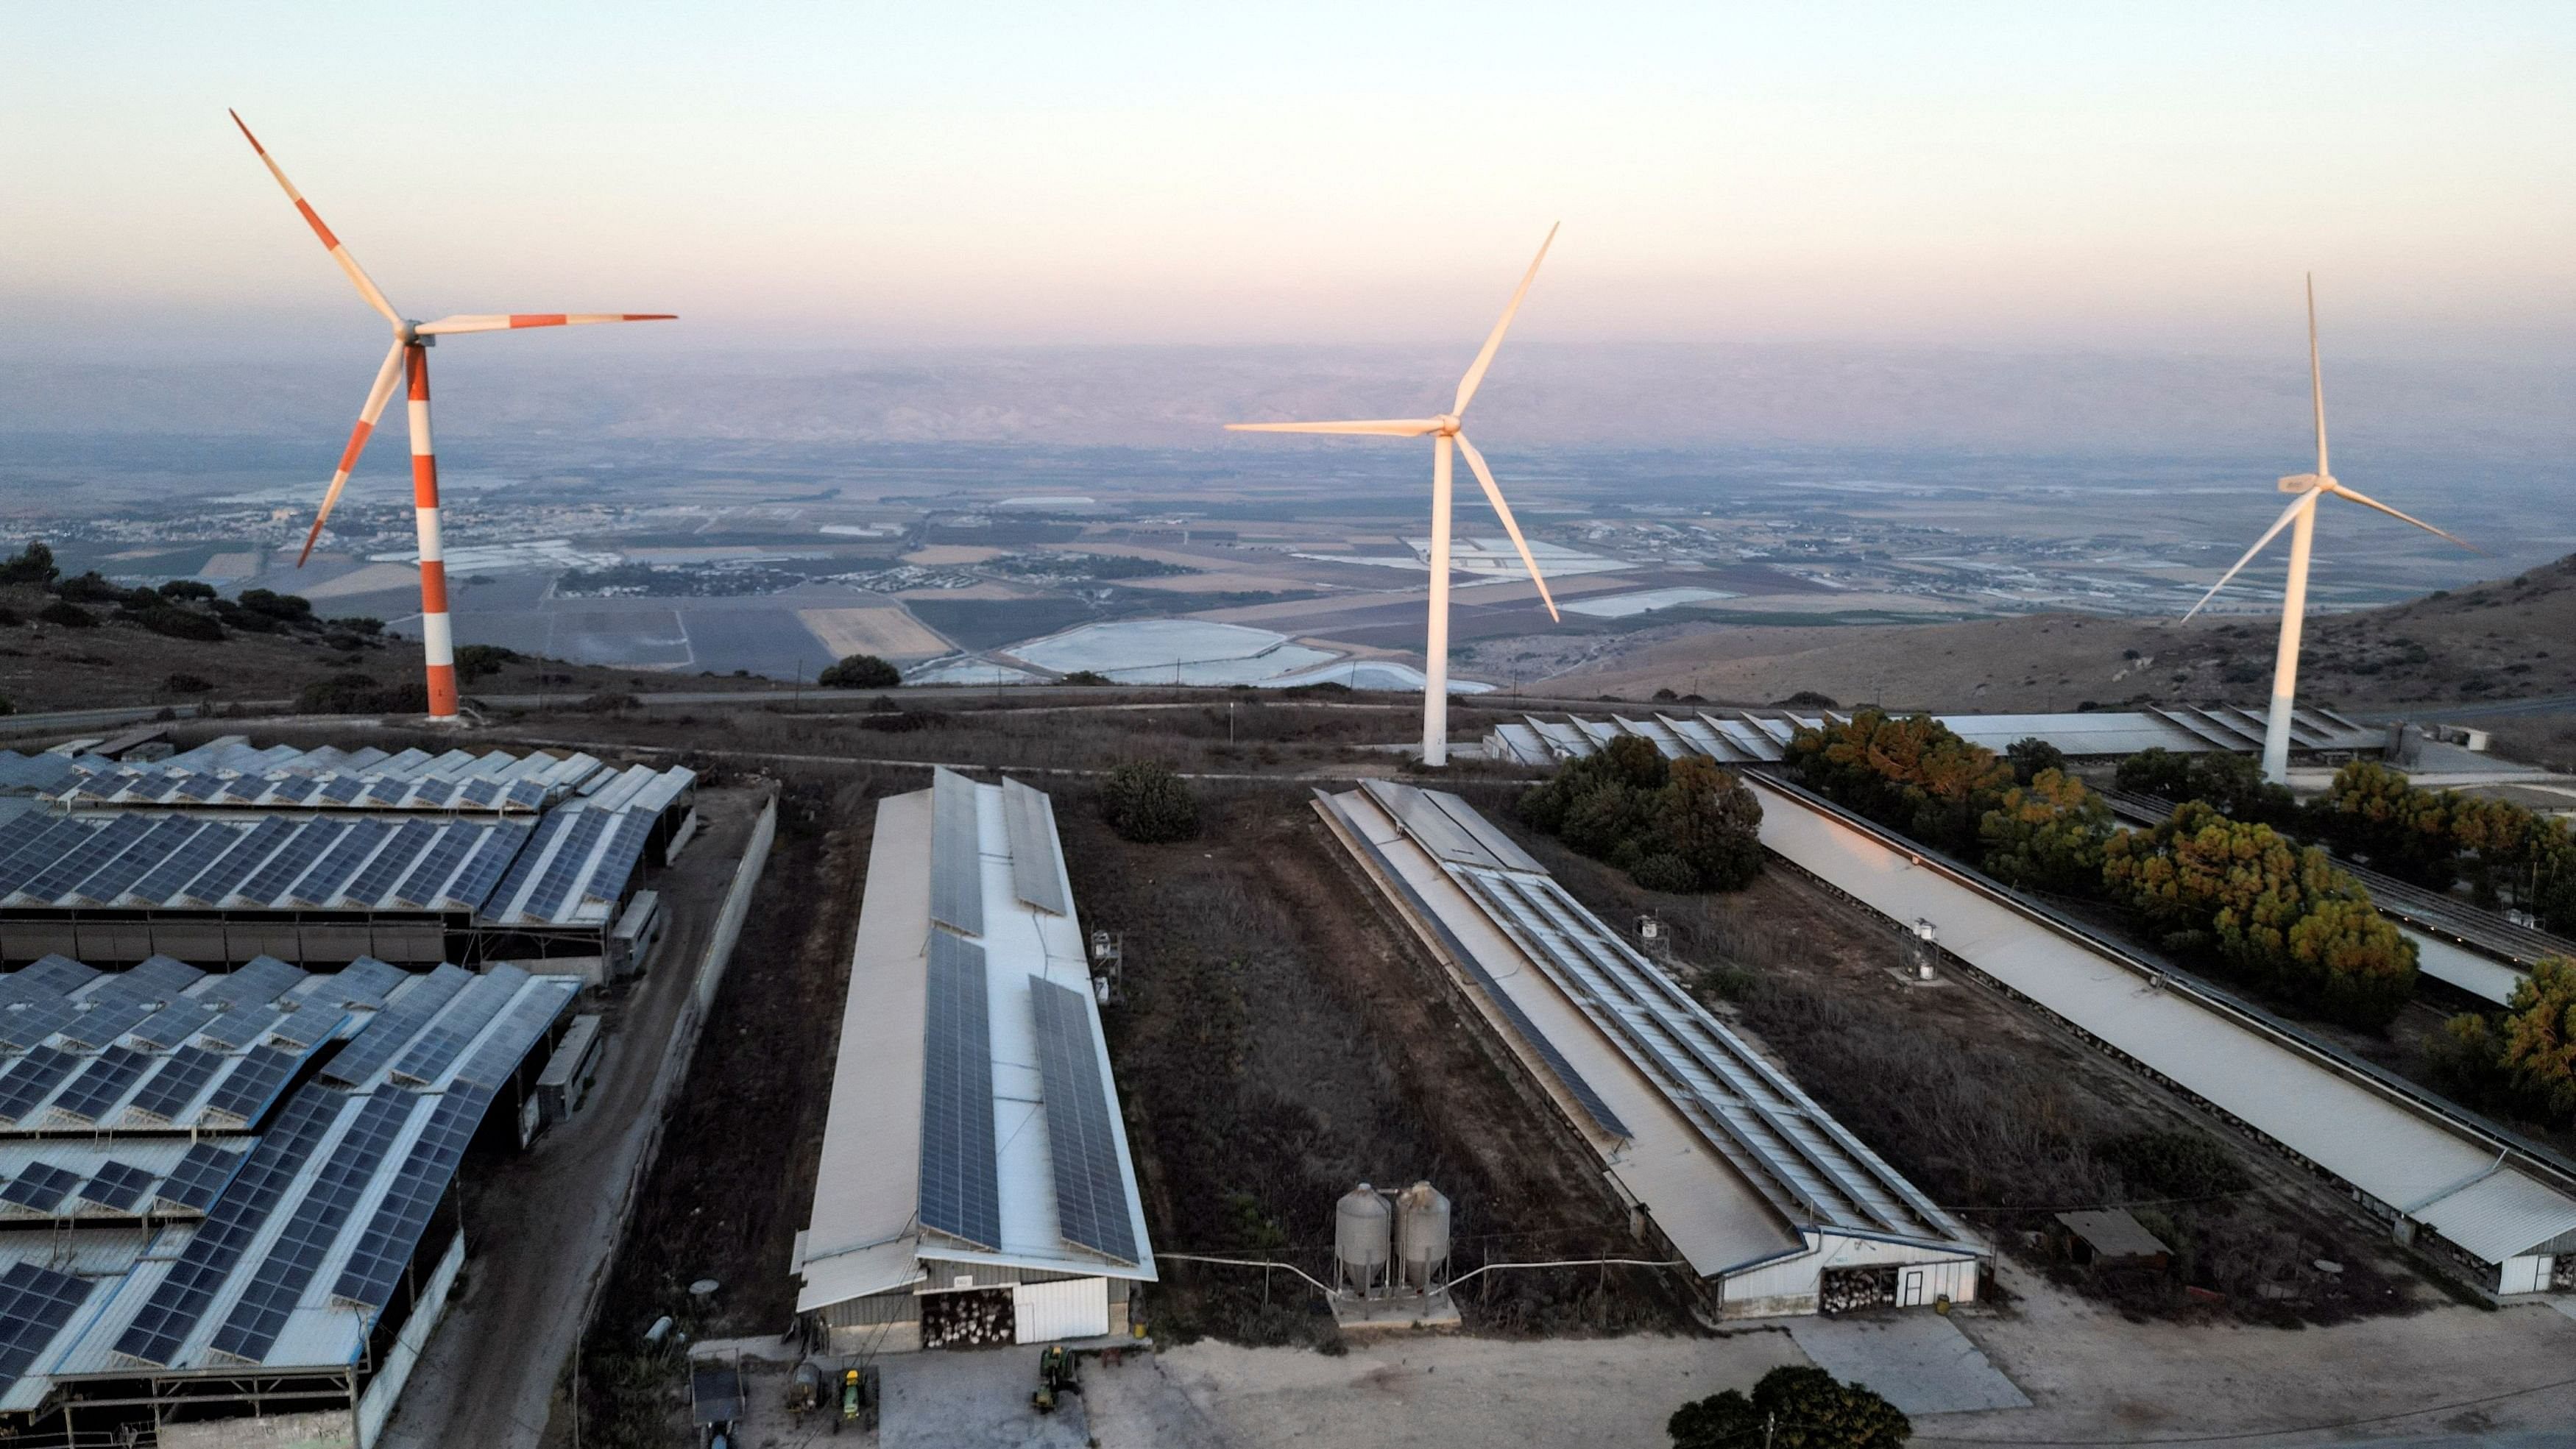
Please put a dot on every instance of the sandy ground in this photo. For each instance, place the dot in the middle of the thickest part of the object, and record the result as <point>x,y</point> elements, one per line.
<point>493,1363</point>
<point>887,631</point>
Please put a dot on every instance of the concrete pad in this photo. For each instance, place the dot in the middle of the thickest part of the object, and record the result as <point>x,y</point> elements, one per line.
<point>974,1399</point>
<point>1920,1362</point>
<point>2565,1305</point>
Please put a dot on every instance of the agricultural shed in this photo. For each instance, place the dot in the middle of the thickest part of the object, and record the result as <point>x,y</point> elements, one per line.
<point>1745,736</point>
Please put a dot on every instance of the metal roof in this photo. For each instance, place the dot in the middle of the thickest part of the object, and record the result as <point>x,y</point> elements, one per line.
<point>1807,1166</point>
<point>1742,736</point>
<point>971,1063</point>
<point>284,1228</point>
<point>230,773</point>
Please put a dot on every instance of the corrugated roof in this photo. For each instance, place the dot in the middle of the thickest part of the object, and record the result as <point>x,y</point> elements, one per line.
<point>2501,1214</point>
<point>1745,736</point>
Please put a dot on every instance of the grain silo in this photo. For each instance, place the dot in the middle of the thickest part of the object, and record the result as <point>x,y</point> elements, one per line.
<point>1360,1224</point>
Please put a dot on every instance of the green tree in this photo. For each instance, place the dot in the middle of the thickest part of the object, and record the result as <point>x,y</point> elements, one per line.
<point>481,661</point>
<point>284,608</point>
<point>187,589</point>
<point>1912,773</point>
<point>2033,756</point>
<point>1708,820</point>
<point>2537,1046</point>
<point>1791,1407</point>
<point>33,564</point>
<point>2047,835</point>
<point>1143,800</point>
<point>860,671</point>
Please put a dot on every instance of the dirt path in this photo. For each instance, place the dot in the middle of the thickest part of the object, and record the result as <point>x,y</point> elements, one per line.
<point>539,1226</point>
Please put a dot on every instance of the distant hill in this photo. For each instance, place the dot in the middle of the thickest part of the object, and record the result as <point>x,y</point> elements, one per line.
<point>2509,638</point>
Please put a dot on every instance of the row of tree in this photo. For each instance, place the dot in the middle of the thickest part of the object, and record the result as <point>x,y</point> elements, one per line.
<point>2523,1058</point>
<point>1672,825</point>
<point>2233,895</point>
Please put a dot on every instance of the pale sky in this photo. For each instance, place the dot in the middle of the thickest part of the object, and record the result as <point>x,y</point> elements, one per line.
<point>2150,177</point>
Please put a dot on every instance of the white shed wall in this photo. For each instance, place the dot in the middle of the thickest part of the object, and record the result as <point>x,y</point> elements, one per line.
<point>1793,1285</point>
<point>1075,1308</point>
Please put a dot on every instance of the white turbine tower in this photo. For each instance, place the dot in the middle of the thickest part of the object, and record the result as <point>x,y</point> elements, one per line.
<point>1445,428</point>
<point>2301,519</point>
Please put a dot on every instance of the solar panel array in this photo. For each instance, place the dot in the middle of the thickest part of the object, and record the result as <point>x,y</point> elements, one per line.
<point>279,862</point>
<point>32,1079</point>
<point>1030,821</point>
<point>956,855</point>
<point>296,1255</point>
<point>201,1175</point>
<point>230,774</point>
<point>40,1187</point>
<point>961,1191</point>
<point>117,1186</point>
<point>390,1030</point>
<point>35,1303</point>
<point>377,1263</point>
<point>1090,1185</point>
<point>246,1092</point>
<point>102,1084</point>
<point>167,1092</point>
<point>433,1051</point>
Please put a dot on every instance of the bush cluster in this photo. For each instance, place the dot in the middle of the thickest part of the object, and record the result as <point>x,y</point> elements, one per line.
<point>361,694</point>
<point>2234,783</point>
<point>1145,801</point>
<point>859,671</point>
<point>1912,773</point>
<point>1672,825</point>
<point>1791,1407</point>
<point>2273,911</point>
<point>2438,838</point>
<point>2522,1059</point>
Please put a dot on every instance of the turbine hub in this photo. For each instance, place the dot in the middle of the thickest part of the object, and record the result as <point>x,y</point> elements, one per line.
<point>1449,424</point>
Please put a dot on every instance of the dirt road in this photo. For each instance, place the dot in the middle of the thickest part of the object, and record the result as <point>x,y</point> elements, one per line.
<point>540,1226</point>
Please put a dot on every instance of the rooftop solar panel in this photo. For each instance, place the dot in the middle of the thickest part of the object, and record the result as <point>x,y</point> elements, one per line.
<point>501,843</point>
<point>186,861</point>
<point>117,876</point>
<point>479,794</point>
<point>252,847</point>
<point>238,1028</point>
<point>245,1091</point>
<point>256,982</point>
<point>391,863</point>
<point>393,1233</point>
<point>159,978</point>
<point>1031,820</point>
<point>956,855</point>
<point>235,1219</point>
<point>961,1191</point>
<point>571,860</point>
<point>530,859</point>
<point>1091,1200</point>
<point>21,1027</point>
<point>40,1187</point>
<point>507,1044</point>
<point>84,856</point>
<point>117,1186</point>
<point>103,1083</point>
<point>35,1303</point>
<point>321,885</point>
<point>616,865</point>
<point>200,1176</point>
<point>258,1315</point>
<point>40,848</point>
<point>365,982</point>
<point>433,1051</point>
<point>432,794</point>
<point>421,885</point>
<point>163,1030</point>
<point>293,859</point>
<point>46,976</point>
<point>90,1030</point>
<point>32,1080</point>
<point>182,1076</point>
<point>386,1034</point>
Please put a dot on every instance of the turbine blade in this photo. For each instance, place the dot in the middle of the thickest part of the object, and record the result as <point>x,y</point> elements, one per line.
<point>357,275</point>
<point>386,377</point>
<point>2317,379</point>
<point>1476,371</point>
<point>1381,427</point>
<point>2341,491</point>
<point>1502,510</point>
<point>512,321</point>
<point>2304,500</point>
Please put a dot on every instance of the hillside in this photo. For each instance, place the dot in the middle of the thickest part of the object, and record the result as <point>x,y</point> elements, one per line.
<point>2510,638</point>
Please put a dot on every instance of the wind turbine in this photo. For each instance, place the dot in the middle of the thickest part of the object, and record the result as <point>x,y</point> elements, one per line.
<point>1446,430</point>
<point>2301,519</point>
<point>409,358</point>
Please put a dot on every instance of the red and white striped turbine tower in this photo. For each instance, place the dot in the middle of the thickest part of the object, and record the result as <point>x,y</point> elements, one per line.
<point>410,359</point>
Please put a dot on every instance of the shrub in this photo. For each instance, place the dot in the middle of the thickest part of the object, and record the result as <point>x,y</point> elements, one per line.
<point>609,701</point>
<point>181,624</point>
<point>902,721</point>
<point>91,588</point>
<point>860,671</point>
<point>184,683</point>
<point>33,564</point>
<point>1682,825</point>
<point>2047,835</point>
<point>8,705</point>
<point>2232,783</point>
<point>478,661</point>
<point>70,616</point>
<point>2173,1165</point>
<point>284,608</point>
<point>1145,801</point>
<point>361,694</point>
<point>185,589</point>
<point>362,624</point>
<point>2031,756</point>
<point>2524,1058</point>
<point>1914,774</point>
<point>1792,1407</point>
<point>1085,676</point>
<point>250,621</point>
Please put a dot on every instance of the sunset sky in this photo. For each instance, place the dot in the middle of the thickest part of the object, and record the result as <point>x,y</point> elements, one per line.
<point>2039,176</point>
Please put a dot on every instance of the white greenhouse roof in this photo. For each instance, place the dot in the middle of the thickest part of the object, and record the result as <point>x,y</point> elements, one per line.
<point>973,1117</point>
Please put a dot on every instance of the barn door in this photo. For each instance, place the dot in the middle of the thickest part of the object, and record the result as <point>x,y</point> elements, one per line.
<point>1913,1289</point>
<point>1074,1308</point>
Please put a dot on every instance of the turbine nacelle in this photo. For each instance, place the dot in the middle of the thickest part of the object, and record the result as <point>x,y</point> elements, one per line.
<point>2302,482</point>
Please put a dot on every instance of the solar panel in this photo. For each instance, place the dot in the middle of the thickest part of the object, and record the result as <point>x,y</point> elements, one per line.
<point>185,861</point>
<point>434,1050</point>
<point>261,1312</point>
<point>432,794</point>
<point>956,855</point>
<point>253,846</point>
<point>480,793</point>
<point>246,1089</point>
<point>40,849</point>
<point>200,1176</point>
<point>571,859</point>
<point>1091,1205</point>
<point>86,855</point>
<point>233,1030</point>
<point>113,879</point>
<point>320,885</point>
<point>117,1186</point>
<point>47,976</point>
<point>365,982</point>
<point>1034,877</point>
<point>501,844</point>
<point>616,863</point>
<point>163,1030</point>
<point>32,1080</point>
<point>159,978</point>
<point>420,885</point>
<point>21,1027</point>
<point>961,1193</point>
<point>341,789</point>
<point>103,1083</point>
<point>39,1186</point>
<point>90,1030</point>
<point>530,859</point>
<point>376,1263</point>
<point>386,790</point>
<point>166,1319</point>
<point>390,1030</point>
<point>183,1074</point>
<point>390,863</point>
<point>256,982</point>
<point>35,1303</point>
<point>293,859</point>
<point>507,1044</point>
